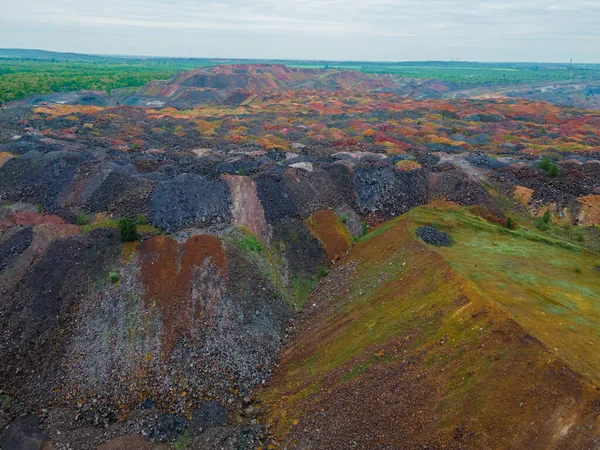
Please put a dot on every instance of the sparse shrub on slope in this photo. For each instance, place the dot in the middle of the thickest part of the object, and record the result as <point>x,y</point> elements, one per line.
<point>127,229</point>
<point>82,219</point>
<point>544,222</point>
<point>551,168</point>
<point>510,223</point>
<point>141,219</point>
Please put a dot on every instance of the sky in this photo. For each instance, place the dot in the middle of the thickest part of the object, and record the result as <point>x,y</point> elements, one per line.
<point>380,30</point>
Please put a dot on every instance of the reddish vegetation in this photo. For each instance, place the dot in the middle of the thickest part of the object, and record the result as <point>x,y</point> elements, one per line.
<point>331,232</point>
<point>167,274</point>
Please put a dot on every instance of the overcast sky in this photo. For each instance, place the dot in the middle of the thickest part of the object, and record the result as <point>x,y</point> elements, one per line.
<point>393,30</point>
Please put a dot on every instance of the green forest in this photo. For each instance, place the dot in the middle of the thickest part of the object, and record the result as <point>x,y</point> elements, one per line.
<point>20,78</point>
<point>29,72</point>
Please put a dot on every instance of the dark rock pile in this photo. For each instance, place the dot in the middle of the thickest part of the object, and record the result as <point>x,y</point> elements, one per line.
<point>434,237</point>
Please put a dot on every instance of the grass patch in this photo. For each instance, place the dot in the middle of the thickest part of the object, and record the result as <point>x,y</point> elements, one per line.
<point>301,289</point>
<point>249,243</point>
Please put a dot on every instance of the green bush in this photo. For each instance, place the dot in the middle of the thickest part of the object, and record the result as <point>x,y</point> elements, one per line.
<point>40,208</point>
<point>545,163</point>
<point>580,236</point>
<point>511,224</point>
<point>364,229</point>
<point>114,277</point>
<point>554,171</point>
<point>141,219</point>
<point>324,272</point>
<point>82,219</point>
<point>597,264</point>
<point>547,217</point>
<point>551,169</point>
<point>542,225</point>
<point>577,269</point>
<point>544,222</point>
<point>344,218</point>
<point>127,229</point>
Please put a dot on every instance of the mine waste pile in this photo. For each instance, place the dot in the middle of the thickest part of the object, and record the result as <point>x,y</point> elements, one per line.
<point>295,259</point>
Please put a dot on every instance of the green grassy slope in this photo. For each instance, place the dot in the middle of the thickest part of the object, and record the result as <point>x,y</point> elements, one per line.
<point>481,345</point>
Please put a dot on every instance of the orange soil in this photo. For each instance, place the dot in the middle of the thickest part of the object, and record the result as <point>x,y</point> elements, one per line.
<point>167,274</point>
<point>4,156</point>
<point>326,226</point>
<point>523,194</point>
<point>590,210</point>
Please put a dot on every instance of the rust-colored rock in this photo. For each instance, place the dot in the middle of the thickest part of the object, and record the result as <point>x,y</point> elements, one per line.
<point>167,272</point>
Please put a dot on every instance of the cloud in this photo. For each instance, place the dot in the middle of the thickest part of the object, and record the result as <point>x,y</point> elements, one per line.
<point>322,29</point>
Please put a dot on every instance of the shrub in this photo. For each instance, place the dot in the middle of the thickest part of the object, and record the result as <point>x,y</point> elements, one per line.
<point>543,223</point>
<point>324,272</point>
<point>40,208</point>
<point>580,236</point>
<point>127,229</point>
<point>554,171</point>
<point>597,264</point>
<point>545,163</point>
<point>114,277</point>
<point>141,219</point>
<point>510,224</point>
<point>551,169</point>
<point>364,229</point>
<point>82,219</point>
<point>344,218</point>
<point>577,269</point>
<point>547,217</point>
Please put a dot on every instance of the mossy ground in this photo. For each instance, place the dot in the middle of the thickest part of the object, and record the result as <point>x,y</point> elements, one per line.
<point>482,344</point>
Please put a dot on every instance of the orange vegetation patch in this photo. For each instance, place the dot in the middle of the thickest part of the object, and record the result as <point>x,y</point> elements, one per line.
<point>67,110</point>
<point>129,249</point>
<point>167,272</point>
<point>589,213</point>
<point>407,166</point>
<point>332,233</point>
<point>5,156</point>
<point>523,194</point>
